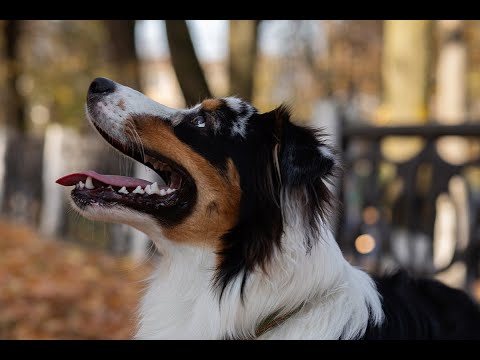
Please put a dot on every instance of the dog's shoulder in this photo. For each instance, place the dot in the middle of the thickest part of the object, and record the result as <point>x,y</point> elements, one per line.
<point>420,308</point>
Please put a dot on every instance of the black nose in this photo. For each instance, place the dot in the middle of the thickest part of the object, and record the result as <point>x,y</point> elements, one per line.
<point>101,85</point>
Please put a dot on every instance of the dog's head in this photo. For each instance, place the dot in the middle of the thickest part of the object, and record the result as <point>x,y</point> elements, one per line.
<point>233,177</point>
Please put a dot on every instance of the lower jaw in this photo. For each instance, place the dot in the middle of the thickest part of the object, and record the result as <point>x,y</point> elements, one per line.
<point>108,197</point>
<point>168,210</point>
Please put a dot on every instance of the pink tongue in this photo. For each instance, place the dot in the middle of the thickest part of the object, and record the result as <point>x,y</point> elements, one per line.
<point>114,180</point>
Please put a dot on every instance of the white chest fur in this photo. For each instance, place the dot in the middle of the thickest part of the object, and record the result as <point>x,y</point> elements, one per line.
<point>336,300</point>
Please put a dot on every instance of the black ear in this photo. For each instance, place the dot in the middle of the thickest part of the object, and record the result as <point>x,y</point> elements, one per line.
<point>304,157</point>
<point>306,162</point>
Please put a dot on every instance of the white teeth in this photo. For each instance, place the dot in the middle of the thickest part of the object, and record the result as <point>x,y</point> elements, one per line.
<point>158,165</point>
<point>138,190</point>
<point>154,188</point>
<point>148,158</point>
<point>89,183</point>
<point>149,189</point>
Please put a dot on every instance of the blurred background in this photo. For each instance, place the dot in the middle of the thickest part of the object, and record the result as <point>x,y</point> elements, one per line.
<point>400,100</point>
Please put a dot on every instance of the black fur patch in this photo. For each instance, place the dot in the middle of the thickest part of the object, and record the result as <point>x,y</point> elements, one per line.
<point>202,140</point>
<point>424,309</point>
<point>259,229</point>
<point>305,171</point>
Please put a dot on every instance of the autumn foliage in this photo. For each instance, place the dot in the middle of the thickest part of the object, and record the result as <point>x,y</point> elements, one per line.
<point>56,290</point>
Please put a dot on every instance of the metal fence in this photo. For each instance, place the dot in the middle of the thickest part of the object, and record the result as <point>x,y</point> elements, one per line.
<point>421,213</point>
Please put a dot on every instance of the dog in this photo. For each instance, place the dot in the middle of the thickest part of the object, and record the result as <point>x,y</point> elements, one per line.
<point>242,223</point>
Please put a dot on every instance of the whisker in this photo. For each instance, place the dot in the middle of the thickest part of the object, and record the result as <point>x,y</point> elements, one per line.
<point>136,140</point>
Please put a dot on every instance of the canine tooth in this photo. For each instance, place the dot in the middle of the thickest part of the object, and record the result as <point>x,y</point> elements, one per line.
<point>147,158</point>
<point>158,165</point>
<point>81,184</point>
<point>89,183</point>
<point>169,191</point>
<point>163,192</point>
<point>155,189</point>
<point>123,190</point>
<point>138,190</point>
<point>148,190</point>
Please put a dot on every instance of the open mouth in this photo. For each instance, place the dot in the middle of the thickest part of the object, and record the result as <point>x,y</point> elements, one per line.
<point>169,199</point>
<point>176,187</point>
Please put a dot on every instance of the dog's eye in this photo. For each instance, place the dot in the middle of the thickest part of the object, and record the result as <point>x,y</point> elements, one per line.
<point>199,121</point>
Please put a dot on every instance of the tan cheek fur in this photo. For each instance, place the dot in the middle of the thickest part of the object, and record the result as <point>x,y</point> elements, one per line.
<point>218,199</point>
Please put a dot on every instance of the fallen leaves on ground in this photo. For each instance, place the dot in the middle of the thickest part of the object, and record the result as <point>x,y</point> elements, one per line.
<point>56,290</point>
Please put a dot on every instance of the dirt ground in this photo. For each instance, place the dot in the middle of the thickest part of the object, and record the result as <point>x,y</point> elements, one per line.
<point>56,290</point>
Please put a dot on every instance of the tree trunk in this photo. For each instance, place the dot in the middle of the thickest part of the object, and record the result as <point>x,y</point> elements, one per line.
<point>15,103</point>
<point>243,55</point>
<point>451,91</point>
<point>185,62</point>
<point>406,62</point>
<point>122,52</point>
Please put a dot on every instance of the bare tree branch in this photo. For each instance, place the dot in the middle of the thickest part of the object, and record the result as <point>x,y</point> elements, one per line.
<point>185,62</point>
<point>243,56</point>
<point>122,51</point>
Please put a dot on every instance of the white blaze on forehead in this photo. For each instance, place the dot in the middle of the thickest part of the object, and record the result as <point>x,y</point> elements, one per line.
<point>111,111</point>
<point>244,111</point>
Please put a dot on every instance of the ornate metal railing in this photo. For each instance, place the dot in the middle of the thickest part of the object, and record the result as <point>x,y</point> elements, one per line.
<point>390,213</point>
